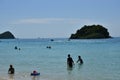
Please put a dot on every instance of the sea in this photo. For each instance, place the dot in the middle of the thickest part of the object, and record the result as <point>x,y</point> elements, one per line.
<point>101,59</point>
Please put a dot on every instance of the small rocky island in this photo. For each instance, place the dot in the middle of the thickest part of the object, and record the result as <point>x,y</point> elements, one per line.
<point>7,35</point>
<point>91,32</point>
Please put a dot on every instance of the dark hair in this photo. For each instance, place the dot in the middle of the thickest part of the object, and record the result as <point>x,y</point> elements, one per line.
<point>11,66</point>
<point>68,55</point>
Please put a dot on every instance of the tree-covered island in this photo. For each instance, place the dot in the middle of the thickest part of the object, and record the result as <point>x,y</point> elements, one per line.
<point>91,32</point>
<point>7,35</point>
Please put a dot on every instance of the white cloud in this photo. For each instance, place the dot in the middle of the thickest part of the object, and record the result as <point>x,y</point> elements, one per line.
<point>38,21</point>
<point>82,21</point>
<point>55,21</point>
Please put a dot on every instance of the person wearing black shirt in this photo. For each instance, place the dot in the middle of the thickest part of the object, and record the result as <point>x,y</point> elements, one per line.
<point>11,70</point>
<point>80,60</point>
<point>70,61</point>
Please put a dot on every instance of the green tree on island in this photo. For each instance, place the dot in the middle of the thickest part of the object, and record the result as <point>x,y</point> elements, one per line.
<point>91,32</point>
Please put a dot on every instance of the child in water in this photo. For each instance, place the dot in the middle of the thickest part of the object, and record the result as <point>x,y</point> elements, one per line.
<point>80,60</point>
<point>11,70</point>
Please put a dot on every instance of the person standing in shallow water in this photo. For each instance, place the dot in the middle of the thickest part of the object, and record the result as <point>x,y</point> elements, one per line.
<point>70,61</point>
<point>80,60</point>
<point>11,70</point>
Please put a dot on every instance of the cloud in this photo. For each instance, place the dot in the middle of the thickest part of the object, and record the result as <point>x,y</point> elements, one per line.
<point>83,21</point>
<point>55,21</point>
<point>38,21</point>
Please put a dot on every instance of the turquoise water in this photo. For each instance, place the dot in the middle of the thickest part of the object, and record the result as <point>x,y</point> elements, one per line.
<point>101,59</point>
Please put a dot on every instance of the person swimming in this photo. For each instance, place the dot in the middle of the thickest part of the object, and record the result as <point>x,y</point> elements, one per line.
<point>15,47</point>
<point>35,73</point>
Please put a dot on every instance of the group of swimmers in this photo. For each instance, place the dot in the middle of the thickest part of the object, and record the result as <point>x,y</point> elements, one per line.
<point>70,61</point>
<point>16,48</point>
<point>11,70</point>
<point>49,47</point>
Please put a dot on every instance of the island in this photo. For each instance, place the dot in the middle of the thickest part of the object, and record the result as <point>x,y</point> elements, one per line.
<point>91,32</point>
<point>7,35</point>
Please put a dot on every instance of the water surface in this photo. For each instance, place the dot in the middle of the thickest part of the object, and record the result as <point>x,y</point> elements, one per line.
<point>101,59</point>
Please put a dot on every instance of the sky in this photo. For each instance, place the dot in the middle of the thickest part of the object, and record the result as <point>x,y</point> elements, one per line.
<point>57,18</point>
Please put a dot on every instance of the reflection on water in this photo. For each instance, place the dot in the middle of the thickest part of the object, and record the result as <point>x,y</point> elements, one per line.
<point>69,69</point>
<point>70,75</point>
<point>80,66</point>
<point>11,76</point>
<point>35,77</point>
<point>72,71</point>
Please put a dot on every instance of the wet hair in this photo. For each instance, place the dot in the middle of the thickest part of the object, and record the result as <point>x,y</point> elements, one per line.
<point>11,66</point>
<point>79,56</point>
<point>68,55</point>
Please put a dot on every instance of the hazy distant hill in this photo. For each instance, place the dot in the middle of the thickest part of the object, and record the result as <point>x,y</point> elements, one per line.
<point>7,35</point>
